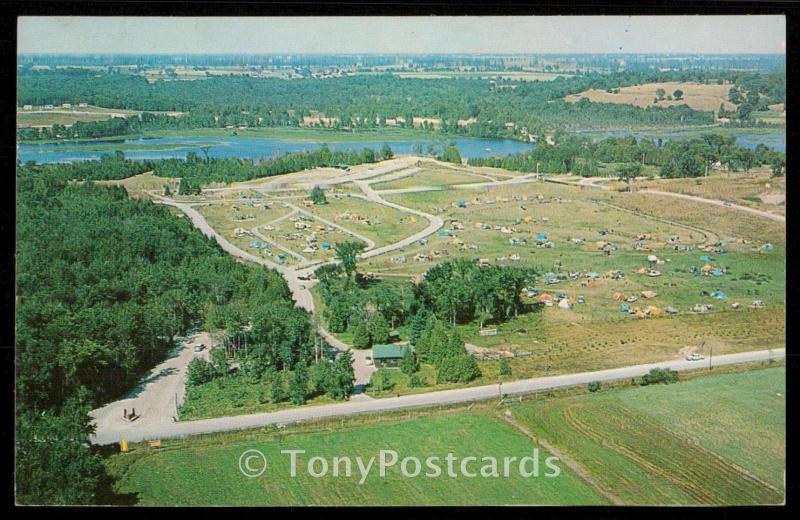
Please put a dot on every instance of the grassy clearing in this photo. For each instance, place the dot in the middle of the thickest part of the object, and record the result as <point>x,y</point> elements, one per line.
<point>696,95</point>
<point>383,225</point>
<point>711,440</point>
<point>209,475</point>
<point>432,175</point>
<point>757,190</point>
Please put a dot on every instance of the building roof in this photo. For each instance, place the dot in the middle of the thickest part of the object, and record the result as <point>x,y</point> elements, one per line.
<point>388,351</point>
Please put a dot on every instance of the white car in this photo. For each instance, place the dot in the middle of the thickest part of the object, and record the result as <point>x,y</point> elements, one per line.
<point>199,347</point>
<point>694,357</point>
<point>369,361</point>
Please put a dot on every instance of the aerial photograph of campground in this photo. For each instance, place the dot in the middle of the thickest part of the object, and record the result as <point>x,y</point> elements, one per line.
<point>422,261</point>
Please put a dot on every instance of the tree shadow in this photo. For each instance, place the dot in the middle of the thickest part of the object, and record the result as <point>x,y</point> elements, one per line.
<point>155,377</point>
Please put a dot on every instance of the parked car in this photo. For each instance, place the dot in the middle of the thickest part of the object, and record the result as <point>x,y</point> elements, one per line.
<point>199,347</point>
<point>369,361</point>
<point>694,357</point>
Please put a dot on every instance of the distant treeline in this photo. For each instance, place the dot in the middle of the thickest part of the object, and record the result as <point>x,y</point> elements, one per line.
<point>675,158</point>
<point>365,102</point>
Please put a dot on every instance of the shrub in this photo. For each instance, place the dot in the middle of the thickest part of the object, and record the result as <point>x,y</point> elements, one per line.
<point>659,375</point>
<point>505,367</point>
<point>594,386</point>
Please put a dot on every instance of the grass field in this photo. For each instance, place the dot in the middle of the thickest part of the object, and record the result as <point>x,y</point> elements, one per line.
<point>432,175</point>
<point>696,95</point>
<point>209,475</point>
<point>384,225</point>
<point>758,189</point>
<point>710,439</point>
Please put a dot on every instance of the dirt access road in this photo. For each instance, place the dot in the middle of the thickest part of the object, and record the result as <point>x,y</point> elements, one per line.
<point>158,396</point>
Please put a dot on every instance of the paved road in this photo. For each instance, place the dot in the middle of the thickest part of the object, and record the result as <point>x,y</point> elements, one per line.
<point>142,431</point>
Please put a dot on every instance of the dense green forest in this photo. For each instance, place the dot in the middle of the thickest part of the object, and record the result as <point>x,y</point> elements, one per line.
<point>105,286</point>
<point>675,158</point>
<point>366,101</point>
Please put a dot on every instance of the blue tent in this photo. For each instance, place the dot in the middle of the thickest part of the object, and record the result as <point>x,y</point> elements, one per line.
<point>716,272</point>
<point>719,295</point>
<point>624,307</point>
<point>594,276</point>
<point>767,248</point>
<point>461,204</point>
<point>444,233</point>
<point>706,258</point>
<point>326,245</point>
<point>541,236</point>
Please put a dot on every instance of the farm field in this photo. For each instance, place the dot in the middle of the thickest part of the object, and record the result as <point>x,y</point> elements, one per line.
<point>711,440</point>
<point>172,477</point>
<point>696,95</point>
<point>70,116</point>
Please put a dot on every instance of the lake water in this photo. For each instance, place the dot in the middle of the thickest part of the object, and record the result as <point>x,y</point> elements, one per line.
<point>253,148</point>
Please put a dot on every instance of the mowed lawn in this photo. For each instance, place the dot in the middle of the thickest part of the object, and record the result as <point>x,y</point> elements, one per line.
<point>210,475</point>
<point>711,440</point>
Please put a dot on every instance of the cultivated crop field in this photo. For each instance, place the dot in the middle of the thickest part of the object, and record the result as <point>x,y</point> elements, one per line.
<point>209,474</point>
<point>696,95</point>
<point>711,440</point>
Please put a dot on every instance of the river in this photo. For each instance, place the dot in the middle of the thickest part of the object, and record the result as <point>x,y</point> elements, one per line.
<point>251,148</point>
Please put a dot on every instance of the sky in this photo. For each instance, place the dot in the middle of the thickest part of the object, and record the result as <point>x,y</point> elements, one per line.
<point>411,35</point>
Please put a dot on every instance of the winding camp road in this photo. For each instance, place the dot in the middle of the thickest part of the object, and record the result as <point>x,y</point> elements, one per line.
<point>143,431</point>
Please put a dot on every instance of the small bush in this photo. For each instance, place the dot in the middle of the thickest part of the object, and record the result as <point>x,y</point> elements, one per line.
<point>659,375</point>
<point>594,386</point>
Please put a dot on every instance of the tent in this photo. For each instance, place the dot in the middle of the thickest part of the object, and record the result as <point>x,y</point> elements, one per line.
<point>545,298</point>
<point>671,310</point>
<point>767,248</point>
<point>564,304</point>
<point>649,294</point>
<point>706,258</point>
<point>624,307</point>
<point>652,258</point>
<point>719,295</point>
<point>541,236</point>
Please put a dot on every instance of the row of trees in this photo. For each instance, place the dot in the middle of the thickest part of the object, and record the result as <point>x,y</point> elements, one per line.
<point>201,170</point>
<point>674,158</point>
